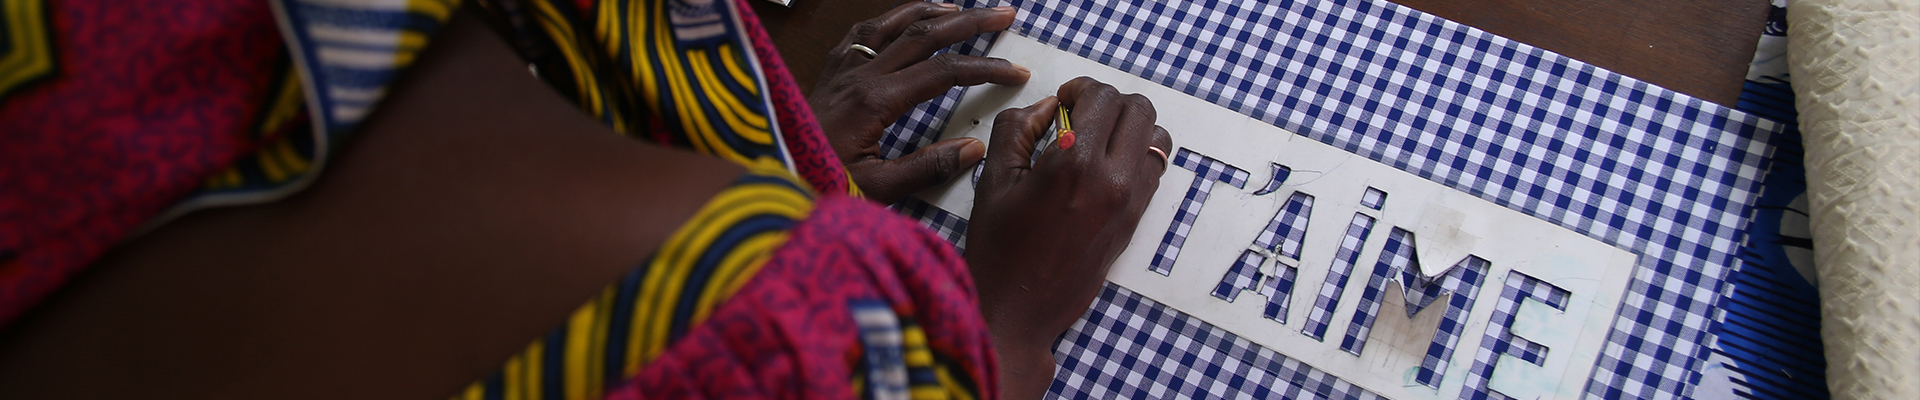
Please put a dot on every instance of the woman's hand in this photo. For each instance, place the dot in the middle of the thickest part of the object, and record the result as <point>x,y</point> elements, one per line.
<point>858,95</point>
<point>1044,232</point>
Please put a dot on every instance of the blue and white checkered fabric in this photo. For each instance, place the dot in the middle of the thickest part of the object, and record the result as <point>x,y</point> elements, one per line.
<point>1279,289</point>
<point>1288,228</point>
<point>1488,353</point>
<point>1281,238</point>
<point>1130,347</point>
<point>1658,173</point>
<point>1337,274</point>
<point>1206,171</point>
<point>1373,198</point>
<point>1462,282</point>
<point>1244,274</point>
<point>950,227</point>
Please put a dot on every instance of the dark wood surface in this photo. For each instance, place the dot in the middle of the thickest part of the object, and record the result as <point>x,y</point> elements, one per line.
<point>1697,47</point>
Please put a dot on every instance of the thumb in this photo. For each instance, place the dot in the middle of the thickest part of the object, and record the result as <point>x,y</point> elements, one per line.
<point>1015,133</point>
<point>894,179</point>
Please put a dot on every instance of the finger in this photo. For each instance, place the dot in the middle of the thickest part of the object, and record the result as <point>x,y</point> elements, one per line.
<point>1148,173</point>
<point>1163,141</point>
<point>922,38</point>
<point>1015,131</point>
<point>1134,130</point>
<point>901,91</point>
<point>924,168</point>
<point>1094,109</point>
<point>876,33</point>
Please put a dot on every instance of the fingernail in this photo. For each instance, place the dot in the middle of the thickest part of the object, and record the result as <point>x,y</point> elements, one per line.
<point>949,6</point>
<point>972,151</point>
<point>1023,69</point>
<point>1003,9</point>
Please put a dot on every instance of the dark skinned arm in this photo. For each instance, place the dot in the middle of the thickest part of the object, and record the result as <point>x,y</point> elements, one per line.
<point>472,212</point>
<point>1042,238</point>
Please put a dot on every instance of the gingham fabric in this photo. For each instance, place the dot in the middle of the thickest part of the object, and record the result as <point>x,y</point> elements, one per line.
<point>1281,238</point>
<point>1519,287</point>
<point>1461,282</point>
<point>1666,176</point>
<point>1289,227</point>
<point>950,227</point>
<point>1373,198</point>
<point>1279,291</point>
<point>1206,171</point>
<point>1337,274</point>
<point>1244,274</point>
<point>1130,347</point>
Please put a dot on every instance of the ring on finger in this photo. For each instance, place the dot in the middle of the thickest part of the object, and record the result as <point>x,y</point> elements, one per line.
<point>1158,152</point>
<point>863,49</point>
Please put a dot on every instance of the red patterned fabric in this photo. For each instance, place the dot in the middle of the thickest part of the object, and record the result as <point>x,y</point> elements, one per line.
<point>149,99</point>
<point>812,156</point>
<point>789,333</point>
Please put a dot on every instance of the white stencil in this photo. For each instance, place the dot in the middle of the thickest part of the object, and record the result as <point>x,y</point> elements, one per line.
<point>1446,227</point>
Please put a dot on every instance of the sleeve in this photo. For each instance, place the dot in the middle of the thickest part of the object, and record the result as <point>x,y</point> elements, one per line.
<point>671,72</point>
<point>859,302</point>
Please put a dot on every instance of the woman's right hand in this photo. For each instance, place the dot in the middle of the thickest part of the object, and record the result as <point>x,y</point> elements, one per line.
<point>1044,232</point>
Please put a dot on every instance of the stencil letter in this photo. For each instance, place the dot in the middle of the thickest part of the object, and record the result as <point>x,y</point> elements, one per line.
<point>1280,174</point>
<point>1500,338</point>
<point>1462,281</point>
<point>1336,283</point>
<point>1206,171</point>
<point>1281,237</point>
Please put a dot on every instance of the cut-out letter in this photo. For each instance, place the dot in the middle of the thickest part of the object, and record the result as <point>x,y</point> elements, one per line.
<point>1500,338</point>
<point>1280,174</point>
<point>1206,171</point>
<point>1337,273</point>
<point>1459,285</point>
<point>1281,237</point>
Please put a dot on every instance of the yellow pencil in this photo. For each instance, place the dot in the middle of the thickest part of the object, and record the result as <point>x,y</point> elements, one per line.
<point>1065,136</point>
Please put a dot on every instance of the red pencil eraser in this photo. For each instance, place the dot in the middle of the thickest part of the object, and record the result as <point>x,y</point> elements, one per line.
<point>1065,140</point>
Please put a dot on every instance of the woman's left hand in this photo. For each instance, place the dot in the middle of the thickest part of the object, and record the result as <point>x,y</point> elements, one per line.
<point>858,95</point>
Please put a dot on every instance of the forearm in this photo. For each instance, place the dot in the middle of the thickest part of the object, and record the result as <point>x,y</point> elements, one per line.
<point>1026,370</point>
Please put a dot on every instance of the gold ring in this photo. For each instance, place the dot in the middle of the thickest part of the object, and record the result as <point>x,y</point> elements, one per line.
<point>1158,152</point>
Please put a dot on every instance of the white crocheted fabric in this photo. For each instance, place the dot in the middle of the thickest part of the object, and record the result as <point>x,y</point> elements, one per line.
<point>1856,74</point>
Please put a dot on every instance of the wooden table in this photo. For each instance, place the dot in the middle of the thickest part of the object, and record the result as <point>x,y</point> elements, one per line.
<point>1697,47</point>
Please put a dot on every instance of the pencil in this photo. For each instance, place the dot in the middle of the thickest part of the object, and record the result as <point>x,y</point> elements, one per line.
<point>1065,137</point>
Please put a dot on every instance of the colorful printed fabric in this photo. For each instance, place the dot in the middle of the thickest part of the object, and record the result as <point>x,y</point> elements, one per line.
<point>698,74</point>
<point>824,315</point>
<point>850,319</point>
<point>226,109</point>
<point>794,331</point>
<point>1770,347</point>
<point>630,324</point>
<point>847,306</point>
<point>93,145</point>
<point>765,293</point>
